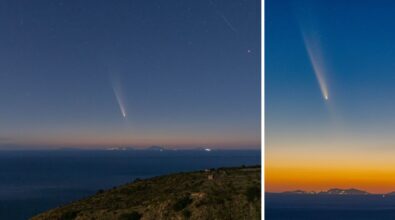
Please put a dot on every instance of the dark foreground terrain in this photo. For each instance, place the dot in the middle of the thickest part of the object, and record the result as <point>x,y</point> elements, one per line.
<point>228,193</point>
<point>32,182</point>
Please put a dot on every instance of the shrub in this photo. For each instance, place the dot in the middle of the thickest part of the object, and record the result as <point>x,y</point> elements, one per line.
<point>182,203</point>
<point>186,213</point>
<point>70,215</point>
<point>131,216</point>
<point>252,193</point>
<point>218,199</point>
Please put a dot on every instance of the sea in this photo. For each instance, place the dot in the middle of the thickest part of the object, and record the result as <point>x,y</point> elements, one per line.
<point>34,181</point>
<point>329,207</point>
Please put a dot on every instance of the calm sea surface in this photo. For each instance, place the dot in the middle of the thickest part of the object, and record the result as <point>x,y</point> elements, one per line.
<point>34,181</point>
<point>329,207</point>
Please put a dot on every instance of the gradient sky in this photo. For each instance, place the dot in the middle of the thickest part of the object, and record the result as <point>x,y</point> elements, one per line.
<point>347,140</point>
<point>187,73</point>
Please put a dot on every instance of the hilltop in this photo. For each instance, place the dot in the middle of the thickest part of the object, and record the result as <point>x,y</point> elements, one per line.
<point>225,193</point>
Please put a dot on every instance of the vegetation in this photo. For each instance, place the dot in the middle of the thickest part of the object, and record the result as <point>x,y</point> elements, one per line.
<point>182,203</point>
<point>229,193</point>
<point>253,192</point>
<point>69,215</point>
<point>130,216</point>
<point>186,213</point>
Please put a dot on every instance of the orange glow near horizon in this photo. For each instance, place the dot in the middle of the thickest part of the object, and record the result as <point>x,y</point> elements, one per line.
<point>372,172</point>
<point>319,179</point>
<point>141,140</point>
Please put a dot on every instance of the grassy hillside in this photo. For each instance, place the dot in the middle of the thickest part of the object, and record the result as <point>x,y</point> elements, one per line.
<point>229,193</point>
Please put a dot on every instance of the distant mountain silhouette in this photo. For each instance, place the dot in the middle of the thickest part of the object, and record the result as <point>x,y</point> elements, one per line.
<point>120,148</point>
<point>156,148</point>
<point>298,192</point>
<point>334,191</point>
<point>390,194</point>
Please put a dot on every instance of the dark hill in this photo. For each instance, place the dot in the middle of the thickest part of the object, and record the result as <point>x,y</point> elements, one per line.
<point>229,193</point>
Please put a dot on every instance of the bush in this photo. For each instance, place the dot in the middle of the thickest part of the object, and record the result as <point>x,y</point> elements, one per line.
<point>219,200</point>
<point>182,203</point>
<point>70,215</point>
<point>252,193</point>
<point>131,216</point>
<point>186,213</point>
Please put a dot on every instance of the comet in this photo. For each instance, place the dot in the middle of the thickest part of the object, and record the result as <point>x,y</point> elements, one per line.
<point>117,88</point>
<point>314,51</point>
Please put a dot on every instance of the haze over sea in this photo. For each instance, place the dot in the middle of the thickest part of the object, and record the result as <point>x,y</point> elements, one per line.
<point>34,181</point>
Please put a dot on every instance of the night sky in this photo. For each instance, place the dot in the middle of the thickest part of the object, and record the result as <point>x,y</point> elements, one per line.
<point>186,73</point>
<point>347,140</point>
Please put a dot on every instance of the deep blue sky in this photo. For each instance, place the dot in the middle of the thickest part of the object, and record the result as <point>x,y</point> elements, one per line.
<point>189,71</point>
<point>346,141</point>
<point>357,43</point>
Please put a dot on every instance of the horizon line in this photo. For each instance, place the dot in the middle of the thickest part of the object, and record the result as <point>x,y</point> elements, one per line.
<point>313,192</point>
<point>110,148</point>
